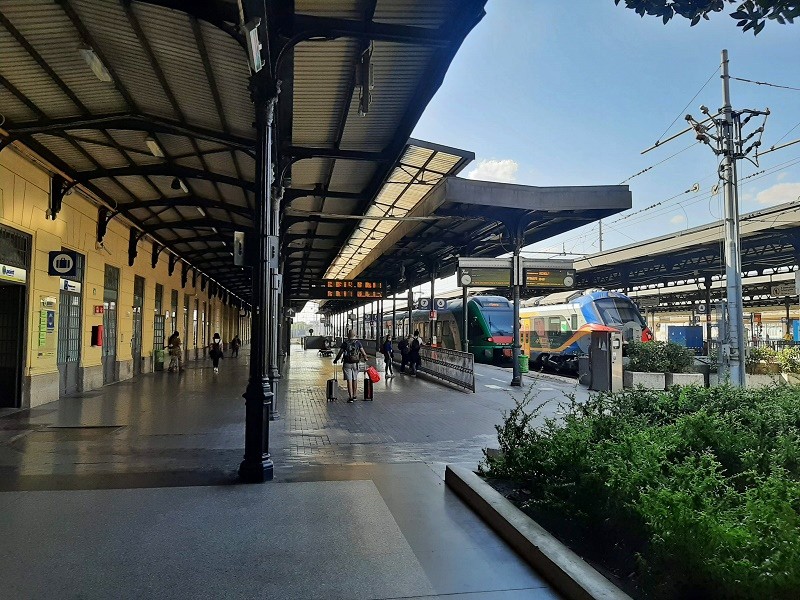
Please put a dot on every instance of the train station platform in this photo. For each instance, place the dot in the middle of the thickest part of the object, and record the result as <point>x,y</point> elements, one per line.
<point>129,491</point>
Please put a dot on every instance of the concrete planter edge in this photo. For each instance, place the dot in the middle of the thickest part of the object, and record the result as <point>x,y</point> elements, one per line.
<point>573,577</point>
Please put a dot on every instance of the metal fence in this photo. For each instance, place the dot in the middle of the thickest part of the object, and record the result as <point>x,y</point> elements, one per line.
<point>777,345</point>
<point>452,366</point>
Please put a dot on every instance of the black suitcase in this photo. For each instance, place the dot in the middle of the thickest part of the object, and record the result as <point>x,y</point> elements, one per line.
<point>332,391</point>
<point>367,388</point>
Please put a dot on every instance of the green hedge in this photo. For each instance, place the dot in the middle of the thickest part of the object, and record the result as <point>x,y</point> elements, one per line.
<point>659,357</point>
<point>702,484</point>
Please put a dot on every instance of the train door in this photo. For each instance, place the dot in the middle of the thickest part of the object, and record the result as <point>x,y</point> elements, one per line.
<point>110,298</point>
<point>136,338</point>
<point>539,334</point>
<point>70,311</point>
<point>15,251</point>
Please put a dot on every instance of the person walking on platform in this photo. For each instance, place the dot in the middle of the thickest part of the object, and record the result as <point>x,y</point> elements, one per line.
<point>215,351</point>
<point>236,343</point>
<point>351,350</point>
<point>413,353</point>
<point>387,357</point>
<point>175,349</point>
<point>402,345</point>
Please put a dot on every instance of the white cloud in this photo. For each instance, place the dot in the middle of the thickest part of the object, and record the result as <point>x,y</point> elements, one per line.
<point>503,171</point>
<point>779,193</point>
<point>677,219</point>
<point>782,175</point>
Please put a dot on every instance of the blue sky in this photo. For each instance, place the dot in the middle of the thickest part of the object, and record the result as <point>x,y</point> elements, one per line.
<point>569,93</point>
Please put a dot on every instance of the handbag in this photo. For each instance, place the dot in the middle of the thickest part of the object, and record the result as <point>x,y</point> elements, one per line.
<point>373,375</point>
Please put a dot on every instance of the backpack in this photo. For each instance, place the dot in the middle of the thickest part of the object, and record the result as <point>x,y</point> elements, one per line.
<point>351,353</point>
<point>415,345</point>
<point>402,345</point>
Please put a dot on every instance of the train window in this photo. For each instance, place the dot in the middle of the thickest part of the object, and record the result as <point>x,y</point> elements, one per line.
<point>574,322</point>
<point>554,324</point>
<point>538,326</point>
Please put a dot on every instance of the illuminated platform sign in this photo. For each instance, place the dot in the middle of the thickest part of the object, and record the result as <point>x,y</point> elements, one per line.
<point>484,276</point>
<point>336,289</point>
<point>549,278</point>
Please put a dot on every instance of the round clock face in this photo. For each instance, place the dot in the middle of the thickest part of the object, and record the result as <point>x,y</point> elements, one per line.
<point>466,280</point>
<point>569,281</point>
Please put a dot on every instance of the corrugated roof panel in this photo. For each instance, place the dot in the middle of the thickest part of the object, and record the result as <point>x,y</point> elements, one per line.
<point>139,187</point>
<point>169,34</point>
<point>65,151</point>
<point>419,13</point>
<point>113,190</point>
<point>108,24</point>
<point>232,75</point>
<point>24,74</point>
<point>204,189</point>
<point>107,157</point>
<point>175,144</point>
<point>309,172</point>
<point>232,194</point>
<point>221,163</point>
<point>323,73</point>
<point>340,9</point>
<point>351,175</point>
<point>14,110</point>
<point>48,29</point>
<point>134,143</point>
<point>397,70</point>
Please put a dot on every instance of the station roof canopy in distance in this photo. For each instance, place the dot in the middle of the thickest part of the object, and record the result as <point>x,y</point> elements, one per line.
<point>770,244</point>
<point>145,105</point>
<point>463,217</point>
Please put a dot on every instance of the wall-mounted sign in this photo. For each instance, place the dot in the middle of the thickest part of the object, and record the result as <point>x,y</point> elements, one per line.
<point>548,278</point>
<point>780,290</point>
<point>439,303</point>
<point>424,304</point>
<point>648,302</point>
<point>98,309</point>
<point>63,263</point>
<point>15,274</point>
<point>48,301</point>
<point>70,286</point>
<point>333,289</point>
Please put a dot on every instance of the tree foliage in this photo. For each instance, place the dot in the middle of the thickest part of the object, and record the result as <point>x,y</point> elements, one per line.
<point>750,14</point>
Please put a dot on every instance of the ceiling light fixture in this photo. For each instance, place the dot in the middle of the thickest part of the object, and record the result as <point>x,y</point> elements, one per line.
<point>177,184</point>
<point>201,211</point>
<point>95,64</point>
<point>155,149</point>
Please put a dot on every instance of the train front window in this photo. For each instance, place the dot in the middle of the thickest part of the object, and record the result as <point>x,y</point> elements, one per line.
<point>616,311</point>
<point>500,322</point>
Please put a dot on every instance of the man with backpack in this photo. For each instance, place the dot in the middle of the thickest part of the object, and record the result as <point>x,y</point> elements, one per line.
<point>402,345</point>
<point>351,352</point>
<point>413,353</point>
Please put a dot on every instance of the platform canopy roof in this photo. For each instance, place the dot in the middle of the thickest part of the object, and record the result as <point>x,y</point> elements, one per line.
<point>463,217</point>
<point>146,105</point>
<point>770,243</point>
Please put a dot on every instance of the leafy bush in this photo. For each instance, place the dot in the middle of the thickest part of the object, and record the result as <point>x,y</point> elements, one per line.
<point>702,484</point>
<point>762,354</point>
<point>789,359</point>
<point>659,357</point>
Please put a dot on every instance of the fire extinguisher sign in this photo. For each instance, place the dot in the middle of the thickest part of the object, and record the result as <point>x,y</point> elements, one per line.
<point>63,263</point>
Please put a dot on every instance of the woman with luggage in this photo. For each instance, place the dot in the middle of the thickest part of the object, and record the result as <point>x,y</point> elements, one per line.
<point>175,349</point>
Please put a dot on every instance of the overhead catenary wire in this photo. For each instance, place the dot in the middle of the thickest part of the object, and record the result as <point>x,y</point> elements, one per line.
<point>661,162</point>
<point>766,83</point>
<point>683,110</point>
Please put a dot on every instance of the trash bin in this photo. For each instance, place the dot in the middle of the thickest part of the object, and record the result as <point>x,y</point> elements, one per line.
<point>158,359</point>
<point>523,363</point>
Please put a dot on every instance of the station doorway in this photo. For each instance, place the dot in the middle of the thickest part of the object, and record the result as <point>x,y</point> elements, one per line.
<point>70,321</point>
<point>15,251</point>
<point>136,338</point>
<point>110,298</point>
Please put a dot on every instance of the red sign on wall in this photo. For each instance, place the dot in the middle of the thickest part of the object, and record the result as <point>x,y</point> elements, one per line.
<point>98,310</point>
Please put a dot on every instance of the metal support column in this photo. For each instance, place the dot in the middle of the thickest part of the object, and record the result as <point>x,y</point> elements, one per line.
<point>394,314</point>
<point>257,465</point>
<point>410,308</point>
<point>275,280</point>
<point>432,270</point>
<point>465,330</point>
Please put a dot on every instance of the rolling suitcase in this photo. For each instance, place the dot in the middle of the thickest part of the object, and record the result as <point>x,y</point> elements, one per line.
<point>367,387</point>
<point>332,391</point>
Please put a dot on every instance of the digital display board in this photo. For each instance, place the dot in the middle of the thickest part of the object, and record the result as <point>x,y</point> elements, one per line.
<point>333,289</point>
<point>549,278</point>
<point>484,277</point>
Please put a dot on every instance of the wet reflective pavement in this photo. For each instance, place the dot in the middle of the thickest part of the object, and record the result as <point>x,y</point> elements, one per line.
<point>178,438</point>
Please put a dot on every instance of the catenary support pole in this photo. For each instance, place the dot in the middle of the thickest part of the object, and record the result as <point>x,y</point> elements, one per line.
<point>432,269</point>
<point>707,279</point>
<point>733,265</point>
<point>410,308</point>
<point>257,465</point>
<point>516,275</point>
